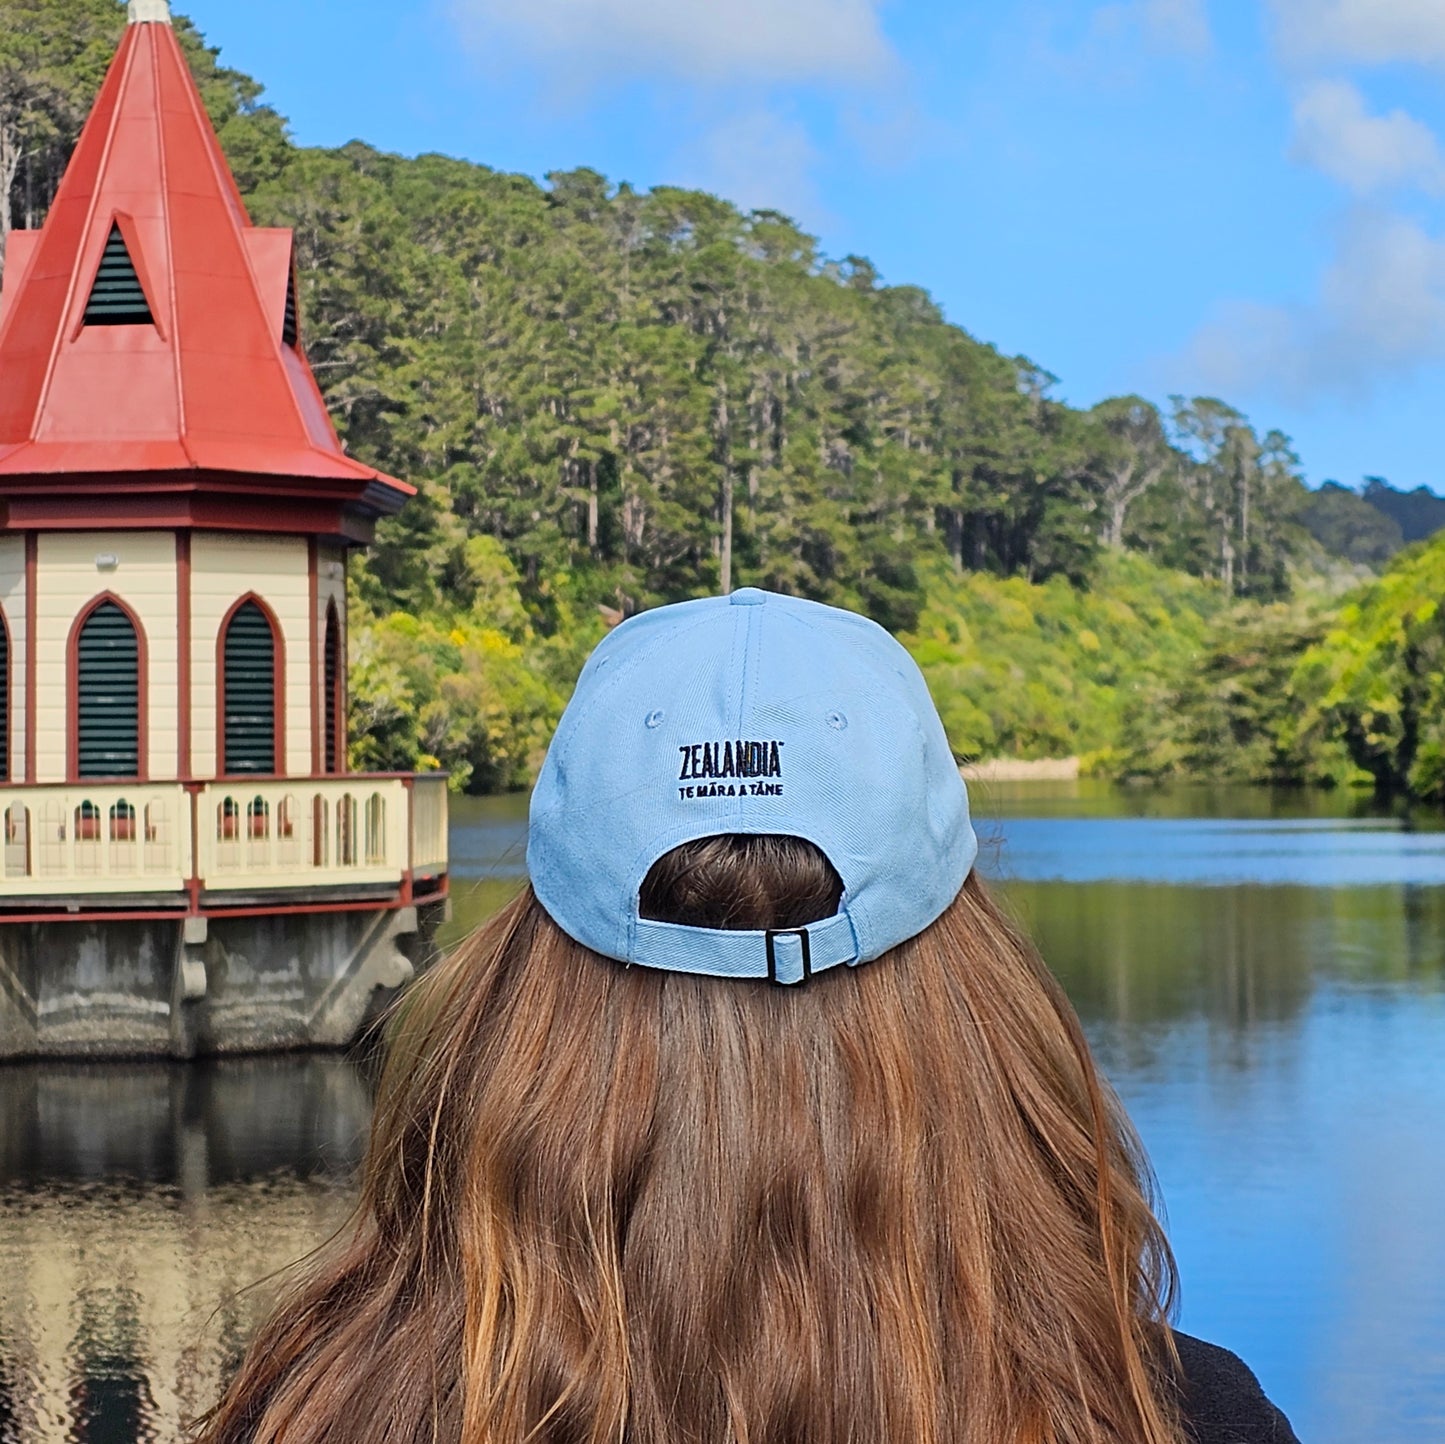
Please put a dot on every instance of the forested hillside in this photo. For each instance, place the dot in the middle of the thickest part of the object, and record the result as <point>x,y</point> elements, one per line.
<point>612,399</point>
<point>656,395</point>
<point>1419,514</point>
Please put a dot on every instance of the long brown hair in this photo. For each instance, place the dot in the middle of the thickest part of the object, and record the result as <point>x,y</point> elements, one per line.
<point>606,1205</point>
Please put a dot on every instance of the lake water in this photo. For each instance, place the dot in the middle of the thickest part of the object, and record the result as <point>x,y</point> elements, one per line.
<point>1263,979</point>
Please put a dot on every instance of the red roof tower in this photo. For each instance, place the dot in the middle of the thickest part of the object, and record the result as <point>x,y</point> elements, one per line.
<point>151,374</point>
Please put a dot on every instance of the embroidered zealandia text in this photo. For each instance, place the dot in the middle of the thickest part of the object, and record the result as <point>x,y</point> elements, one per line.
<point>731,769</point>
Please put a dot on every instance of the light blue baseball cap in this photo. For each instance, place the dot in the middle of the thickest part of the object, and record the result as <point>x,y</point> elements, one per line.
<point>758,714</point>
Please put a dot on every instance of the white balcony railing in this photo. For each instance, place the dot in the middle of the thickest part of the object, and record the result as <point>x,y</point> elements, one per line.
<point>121,838</point>
<point>321,834</point>
<point>429,825</point>
<point>228,837</point>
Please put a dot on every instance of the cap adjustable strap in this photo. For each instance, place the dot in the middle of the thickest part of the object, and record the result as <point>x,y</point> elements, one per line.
<point>771,938</point>
<point>781,955</point>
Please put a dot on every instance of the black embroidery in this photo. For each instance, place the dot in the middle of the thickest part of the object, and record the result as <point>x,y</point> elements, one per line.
<point>745,761</point>
<point>730,759</point>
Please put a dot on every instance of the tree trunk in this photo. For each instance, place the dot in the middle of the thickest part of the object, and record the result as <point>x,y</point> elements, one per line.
<point>726,563</point>
<point>953,536</point>
<point>592,508</point>
<point>725,498</point>
<point>757,419</point>
<point>10,155</point>
<point>1244,539</point>
<point>1118,510</point>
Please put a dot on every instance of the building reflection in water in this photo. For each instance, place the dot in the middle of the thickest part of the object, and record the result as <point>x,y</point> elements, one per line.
<point>138,1208</point>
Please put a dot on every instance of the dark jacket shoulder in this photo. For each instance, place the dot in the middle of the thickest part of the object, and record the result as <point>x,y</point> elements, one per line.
<point>1223,1402</point>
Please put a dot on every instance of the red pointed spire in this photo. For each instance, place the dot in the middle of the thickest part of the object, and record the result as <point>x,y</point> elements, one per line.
<point>207,387</point>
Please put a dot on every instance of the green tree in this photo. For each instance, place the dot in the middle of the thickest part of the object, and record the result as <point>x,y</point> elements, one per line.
<point>53,56</point>
<point>1348,527</point>
<point>1134,456</point>
<point>1376,680</point>
<point>611,399</point>
<point>1419,513</point>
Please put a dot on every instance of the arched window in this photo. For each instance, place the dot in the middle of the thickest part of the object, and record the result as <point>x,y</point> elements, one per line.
<point>335,683</point>
<point>107,658</point>
<point>250,691</point>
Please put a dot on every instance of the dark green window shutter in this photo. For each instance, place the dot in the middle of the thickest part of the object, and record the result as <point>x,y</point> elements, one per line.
<point>333,683</point>
<point>250,692</point>
<point>4,702</point>
<point>117,298</point>
<point>288,326</point>
<point>108,683</point>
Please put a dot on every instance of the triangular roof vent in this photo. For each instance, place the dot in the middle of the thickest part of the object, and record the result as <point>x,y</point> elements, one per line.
<point>289,325</point>
<point>117,298</point>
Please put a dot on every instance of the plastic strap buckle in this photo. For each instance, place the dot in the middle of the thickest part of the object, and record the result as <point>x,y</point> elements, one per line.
<point>807,947</point>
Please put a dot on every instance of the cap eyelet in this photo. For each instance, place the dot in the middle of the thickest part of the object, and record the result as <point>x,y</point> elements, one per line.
<point>837,721</point>
<point>653,720</point>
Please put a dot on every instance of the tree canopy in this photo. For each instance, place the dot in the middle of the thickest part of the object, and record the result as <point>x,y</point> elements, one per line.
<point>611,399</point>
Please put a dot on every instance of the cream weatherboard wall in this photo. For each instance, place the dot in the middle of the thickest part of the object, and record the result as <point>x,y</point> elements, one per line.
<point>73,569</point>
<point>12,601</point>
<point>225,568</point>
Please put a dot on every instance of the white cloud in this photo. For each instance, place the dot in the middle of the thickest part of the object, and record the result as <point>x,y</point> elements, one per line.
<point>1178,25</point>
<point>1380,312</point>
<point>1373,32</point>
<point>1336,134</point>
<point>709,40</point>
<point>760,159</point>
<point>1168,25</point>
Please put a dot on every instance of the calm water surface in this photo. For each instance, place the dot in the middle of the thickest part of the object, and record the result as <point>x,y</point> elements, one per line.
<point>1263,979</point>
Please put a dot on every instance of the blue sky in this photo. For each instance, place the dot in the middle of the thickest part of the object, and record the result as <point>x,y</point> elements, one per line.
<point>1243,198</point>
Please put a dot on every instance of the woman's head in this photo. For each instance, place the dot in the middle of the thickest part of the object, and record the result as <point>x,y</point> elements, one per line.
<point>622,1189</point>
<point>607,1203</point>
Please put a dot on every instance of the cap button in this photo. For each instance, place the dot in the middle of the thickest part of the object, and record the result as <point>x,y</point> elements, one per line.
<point>748,597</point>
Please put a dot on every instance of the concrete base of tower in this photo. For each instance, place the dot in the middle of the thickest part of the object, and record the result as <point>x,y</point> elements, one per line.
<point>196,986</point>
